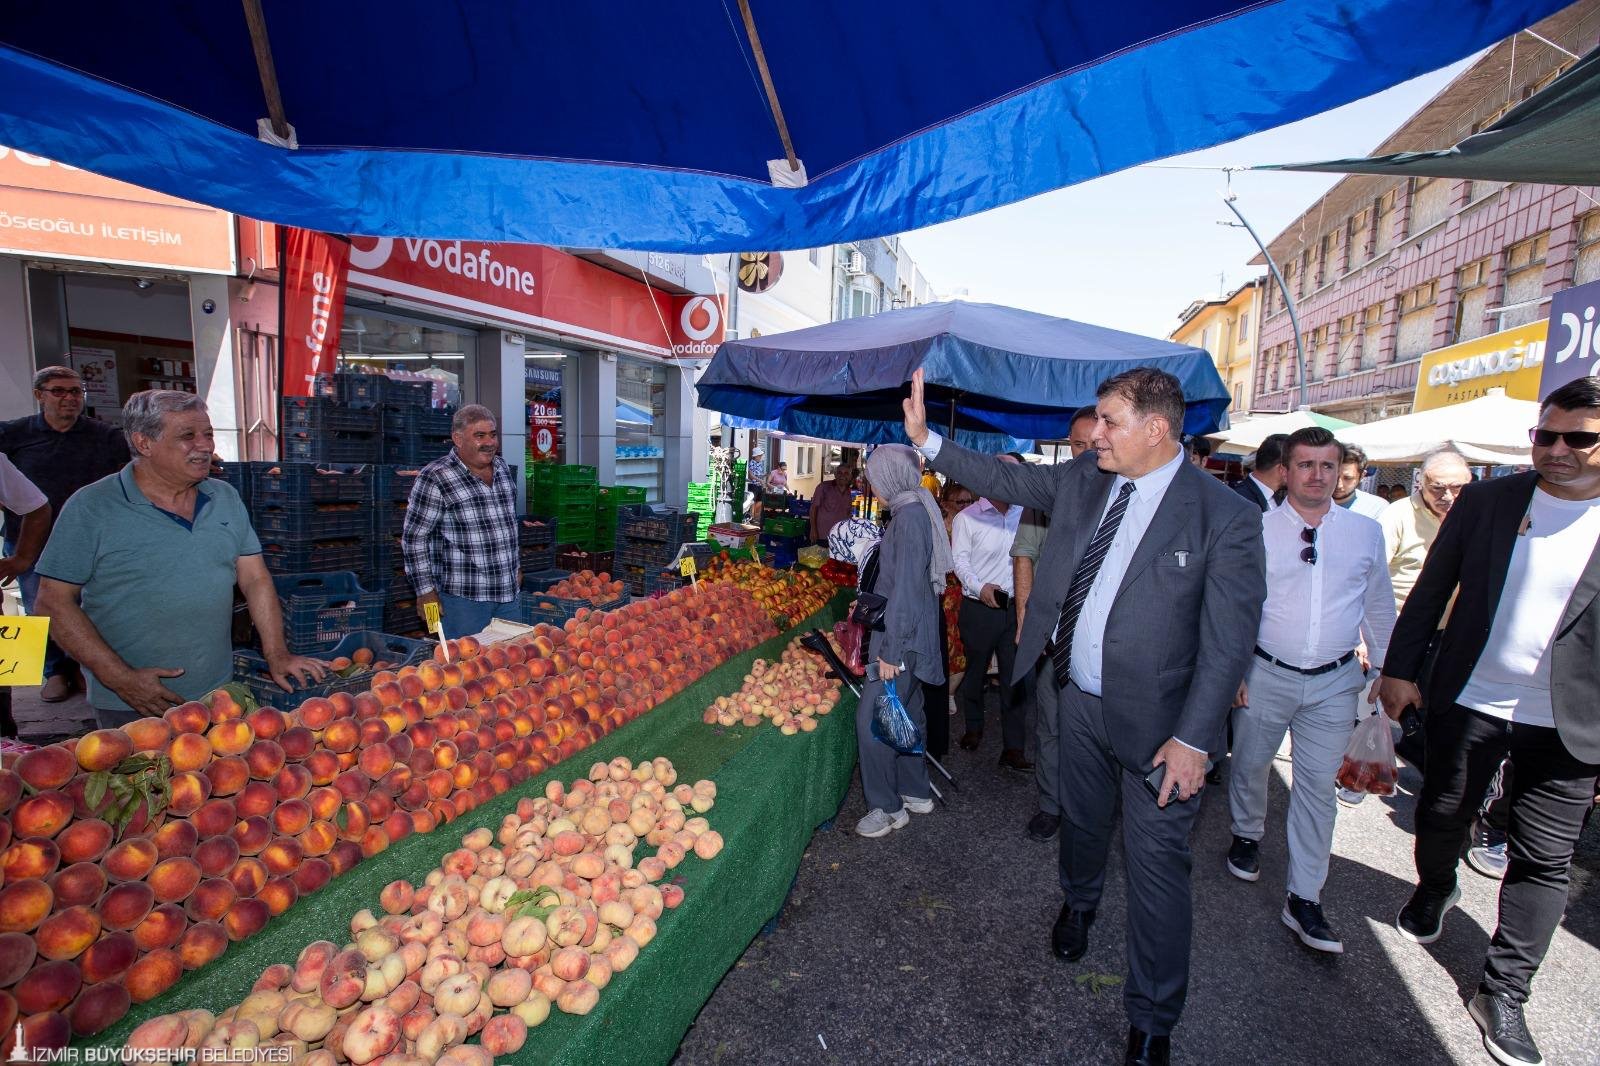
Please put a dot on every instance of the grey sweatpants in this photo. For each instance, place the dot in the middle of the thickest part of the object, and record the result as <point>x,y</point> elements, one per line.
<point>886,775</point>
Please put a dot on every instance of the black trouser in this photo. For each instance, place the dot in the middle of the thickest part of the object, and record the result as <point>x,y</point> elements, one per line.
<point>1414,748</point>
<point>936,698</point>
<point>1549,795</point>
<point>991,632</point>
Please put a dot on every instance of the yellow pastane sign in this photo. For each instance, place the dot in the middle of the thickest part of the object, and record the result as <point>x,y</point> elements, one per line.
<point>1511,359</point>
<point>22,649</point>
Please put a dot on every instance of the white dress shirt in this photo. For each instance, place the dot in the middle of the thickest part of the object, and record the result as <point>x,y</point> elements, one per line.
<point>1316,612</point>
<point>980,543</point>
<point>1365,503</point>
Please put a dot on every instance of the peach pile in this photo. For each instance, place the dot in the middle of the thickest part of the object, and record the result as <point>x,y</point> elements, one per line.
<point>790,693</point>
<point>268,806</point>
<point>586,585</point>
<point>786,595</point>
<point>542,913</point>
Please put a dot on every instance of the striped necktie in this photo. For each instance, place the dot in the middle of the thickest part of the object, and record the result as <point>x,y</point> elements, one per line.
<point>1083,581</point>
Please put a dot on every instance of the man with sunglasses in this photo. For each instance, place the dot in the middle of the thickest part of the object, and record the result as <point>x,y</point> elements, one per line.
<point>1518,675</point>
<point>1327,588</point>
<point>60,450</point>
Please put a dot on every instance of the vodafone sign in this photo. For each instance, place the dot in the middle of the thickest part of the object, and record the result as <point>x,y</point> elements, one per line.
<point>540,288</point>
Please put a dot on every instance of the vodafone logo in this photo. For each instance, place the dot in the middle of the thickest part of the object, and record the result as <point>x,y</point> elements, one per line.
<point>700,318</point>
<point>364,258</point>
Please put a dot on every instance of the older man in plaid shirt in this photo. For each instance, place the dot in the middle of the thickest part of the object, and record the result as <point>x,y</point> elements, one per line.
<point>460,536</point>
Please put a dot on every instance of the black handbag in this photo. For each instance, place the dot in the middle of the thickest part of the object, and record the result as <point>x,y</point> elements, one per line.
<point>870,607</point>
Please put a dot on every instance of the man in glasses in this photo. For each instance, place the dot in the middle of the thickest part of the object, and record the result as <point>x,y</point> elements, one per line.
<point>1327,588</point>
<point>60,450</point>
<point>1518,675</point>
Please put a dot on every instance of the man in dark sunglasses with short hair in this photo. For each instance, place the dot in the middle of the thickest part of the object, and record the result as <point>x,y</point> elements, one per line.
<point>1518,675</point>
<point>60,449</point>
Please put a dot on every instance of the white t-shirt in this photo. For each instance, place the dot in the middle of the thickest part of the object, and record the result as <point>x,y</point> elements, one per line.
<point>1512,678</point>
<point>17,494</point>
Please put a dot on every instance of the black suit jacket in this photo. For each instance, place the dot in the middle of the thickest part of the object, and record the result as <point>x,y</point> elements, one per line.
<point>1252,492</point>
<point>1473,552</point>
<point>1181,628</point>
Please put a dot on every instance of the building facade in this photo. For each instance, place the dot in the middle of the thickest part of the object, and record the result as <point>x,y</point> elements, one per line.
<point>1228,327</point>
<point>1385,270</point>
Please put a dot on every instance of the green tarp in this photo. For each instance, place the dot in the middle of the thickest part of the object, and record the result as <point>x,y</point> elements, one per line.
<point>772,793</point>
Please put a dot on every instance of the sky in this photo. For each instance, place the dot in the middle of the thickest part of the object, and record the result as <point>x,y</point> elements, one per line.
<point>1132,250</point>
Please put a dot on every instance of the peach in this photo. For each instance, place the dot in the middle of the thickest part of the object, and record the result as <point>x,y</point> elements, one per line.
<point>282,856</point>
<point>268,723</point>
<point>178,837</point>
<point>227,775</point>
<point>201,943</point>
<point>46,768</point>
<point>23,905</point>
<point>103,749</point>
<point>374,1032</point>
<point>324,766</point>
<point>291,817</point>
<point>341,735</point>
<point>252,834</point>
<point>148,734</point>
<point>621,953</point>
<point>279,894</point>
<point>458,994</point>
<point>210,900</point>
<point>48,986</point>
<point>79,885</point>
<point>318,838</point>
<point>165,1033</point>
<point>191,717</point>
<point>308,1021</point>
<point>17,954</point>
<point>397,897</point>
<point>297,743</point>
<point>174,879</point>
<point>246,918</point>
<point>483,928</point>
<point>215,817</point>
<point>534,1010</point>
<point>231,737</point>
<point>37,857</point>
<point>570,964</point>
<point>153,975</point>
<point>161,928</point>
<point>312,964</point>
<point>465,1055</point>
<point>189,791</point>
<point>126,905</point>
<point>256,798</point>
<point>311,875</point>
<point>642,931</point>
<point>507,988</point>
<point>578,997</point>
<point>216,856</point>
<point>108,958</point>
<point>98,1007</point>
<point>44,814</point>
<point>345,856</point>
<point>377,760</point>
<point>343,980</point>
<point>65,934</point>
<point>49,1030</point>
<point>265,758</point>
<point>131,860</point>
<point>440,1035</point>
<point>10,790</point>
<point>316,712</point>
<point>189,751</point>
<point>353,784</point>
<point>376,943</point>
<point>352,821</point>
<point>248,876</point>
<point>524,936</point>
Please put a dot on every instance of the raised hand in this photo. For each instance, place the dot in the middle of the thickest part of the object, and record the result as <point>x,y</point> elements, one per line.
<point>916,412</point>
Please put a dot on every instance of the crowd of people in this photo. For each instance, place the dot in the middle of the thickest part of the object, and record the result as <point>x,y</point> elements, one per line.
<point>1164,624</point>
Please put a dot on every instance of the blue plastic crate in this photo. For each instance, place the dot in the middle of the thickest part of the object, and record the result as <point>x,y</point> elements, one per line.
<point>388,519</point>
<point>536,560</point>
<point>391,482</point>
<point>413,420</point>
<point>316,556</point>
<point>536,531</point>
<point>319,610</point>
<point>239,476</point>
<point>359,390</point>
<point>781,558</point>
<point>666,525</point>
<point>411,450</point>
<point>310,521</point>
<point>318,414</point>
<point>403,393</point>
<point>535,584</point>
<point>281,484</point>
<point>631,552</point>
<point>331,447</point>
<point>250,669</point>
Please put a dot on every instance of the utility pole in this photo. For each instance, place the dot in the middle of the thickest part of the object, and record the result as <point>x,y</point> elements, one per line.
<point>1288,298</point>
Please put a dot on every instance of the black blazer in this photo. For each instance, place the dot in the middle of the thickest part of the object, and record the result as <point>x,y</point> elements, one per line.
<point>1252,492</point>
<point>1181,628</point>
<point>1473,551</point>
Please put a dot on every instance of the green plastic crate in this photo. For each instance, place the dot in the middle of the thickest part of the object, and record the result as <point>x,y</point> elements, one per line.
<point>562,474</point>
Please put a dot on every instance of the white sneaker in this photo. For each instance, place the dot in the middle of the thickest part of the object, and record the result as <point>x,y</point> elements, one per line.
<point>1349,798</point>
<point>878,824</point>
<point>918,806</point>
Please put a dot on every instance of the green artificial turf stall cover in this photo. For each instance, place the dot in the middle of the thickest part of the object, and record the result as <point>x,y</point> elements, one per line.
<point>772,793</point>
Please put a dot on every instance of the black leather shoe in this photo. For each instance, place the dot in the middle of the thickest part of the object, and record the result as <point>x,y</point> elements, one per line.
<point>1311,925</point>
<point>1043,826</point>
<point>1147,1050</point>
<point>1244,859</point>
<point>1070,937</point>
<point>1421,920</point>
<point>1013,759</point>
<point>971,739</point>
<point>1505,1033</point>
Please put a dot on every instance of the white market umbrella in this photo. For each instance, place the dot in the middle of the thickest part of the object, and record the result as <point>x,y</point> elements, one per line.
<point>1492,429</point>
<point>1245,437</point>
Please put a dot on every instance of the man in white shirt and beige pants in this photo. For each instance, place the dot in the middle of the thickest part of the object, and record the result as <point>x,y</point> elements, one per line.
<point>1327,588</point>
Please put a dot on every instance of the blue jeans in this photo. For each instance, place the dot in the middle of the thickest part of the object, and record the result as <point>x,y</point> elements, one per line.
<point>462,617</point>
<point>55,660</point>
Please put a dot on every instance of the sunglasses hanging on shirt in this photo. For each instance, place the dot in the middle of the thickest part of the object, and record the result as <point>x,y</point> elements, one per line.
<point>1308,554</point>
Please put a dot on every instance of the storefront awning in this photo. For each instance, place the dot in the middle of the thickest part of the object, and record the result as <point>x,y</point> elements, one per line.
<point>709,127</point>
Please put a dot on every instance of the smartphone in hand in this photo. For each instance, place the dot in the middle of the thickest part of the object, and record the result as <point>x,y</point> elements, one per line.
<point>1001,599</point>
<point>1152,782</point>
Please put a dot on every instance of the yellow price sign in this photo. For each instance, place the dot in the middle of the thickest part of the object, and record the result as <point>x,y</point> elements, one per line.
<point>686,566</point>
<point>430,612</point>
<point>22,643</point>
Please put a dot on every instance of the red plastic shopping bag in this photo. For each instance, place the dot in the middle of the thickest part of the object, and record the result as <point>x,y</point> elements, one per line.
<point>1368,764</point>
<point>848,635</point>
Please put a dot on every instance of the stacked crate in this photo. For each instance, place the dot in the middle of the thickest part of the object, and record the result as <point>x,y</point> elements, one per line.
<point>648,541</point>
<point>319,429</point>
<point>313,517</point>
<point>536,543</point>
<point>391,493</point>
<point>568,493</point>
<point>782,536</point>
<point>320,610</point>
<point>414,432</point>
<point>608,499</point>
<point>703,503</point>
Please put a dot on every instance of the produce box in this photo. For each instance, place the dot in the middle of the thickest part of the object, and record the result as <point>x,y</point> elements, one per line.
<point>610,497</point>
<point>409,420</point>
<point>250,669</point>
<point>318,414</point>
<point>392,482</point>
<point>238,475</point>
<point>574,558</point>
<point>731,535</point>
<point>394,392</point>
<point>408,450</point>
<point>358,390</point>
<point>335,447</point>
<point>317,556</point>
<point>780,526</point>
<point>536,531</point>
<point>540,606</point>
<point>664,524</point>
<point>283,484</point>
<point>563,474</point>
<point>311,521</point>
<point>320,610</point>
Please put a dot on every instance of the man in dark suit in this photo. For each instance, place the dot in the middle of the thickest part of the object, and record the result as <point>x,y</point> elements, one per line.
<point>1146,601</point>
<point>1265,483</point>
<point>1518,675</point>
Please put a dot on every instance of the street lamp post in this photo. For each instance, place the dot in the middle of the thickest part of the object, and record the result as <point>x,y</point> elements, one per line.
<point>1288,299</point>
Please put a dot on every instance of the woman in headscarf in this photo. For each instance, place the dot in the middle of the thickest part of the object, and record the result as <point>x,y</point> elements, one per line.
<point>909,573</point>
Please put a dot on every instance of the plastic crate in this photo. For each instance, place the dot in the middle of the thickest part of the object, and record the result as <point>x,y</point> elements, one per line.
<point>781,557</point>
<point>650,580</point>
<point>239,476</point>
<point>775,503</point>
<point>310,521</point>
<point>359,390</point>
<point>780,526</point>
<point>533,560</point>
<point>611,497</point>
<point>334,447</point>
<point>319,610</point>
<point>394,392</point>
<point>391,482</point>
<point>536,531</point>
<point>563,474</point>
<point>317,556</point>
<point>535,585</point>
<point>799,508</point>
<point>250,668</point>
<point>645,552</point>
<point>282,484</point>
<point>318,414</point>
<point>388,519</point>
<point>664,524</point>
<point>413,420</point>
<point>411,450</point>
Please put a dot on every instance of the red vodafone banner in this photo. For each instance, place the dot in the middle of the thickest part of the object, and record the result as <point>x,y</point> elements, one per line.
<point>314,269</point>
<point>698,326</point>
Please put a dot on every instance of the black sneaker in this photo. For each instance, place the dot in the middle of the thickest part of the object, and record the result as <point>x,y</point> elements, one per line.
<point>1309,924</point>
<point>1421,920</point>
<point>1043,826</point>
<point>1244,859</point>
<point>1505,1033</point>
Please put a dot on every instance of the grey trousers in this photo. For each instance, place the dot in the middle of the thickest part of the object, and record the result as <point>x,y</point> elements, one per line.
<point>886,775</point>
<point>1319,714</point>
<point>1047,737</point>
<point>1155,843</point>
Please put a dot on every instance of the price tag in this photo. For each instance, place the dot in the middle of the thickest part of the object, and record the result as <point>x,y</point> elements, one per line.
<point>430,614</point>
<point>686,566</point>
<point>22,642</point>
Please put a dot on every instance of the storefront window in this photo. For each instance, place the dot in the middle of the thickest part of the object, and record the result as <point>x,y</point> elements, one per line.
<point>407,347</point>
<point>641,426</point>
<point>542,381</point>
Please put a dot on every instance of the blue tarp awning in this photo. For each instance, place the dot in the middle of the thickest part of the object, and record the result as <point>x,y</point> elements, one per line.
<point>1008,374</point>
<point>645,124</point>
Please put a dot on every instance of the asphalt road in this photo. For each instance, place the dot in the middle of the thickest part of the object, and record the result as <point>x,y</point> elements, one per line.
<point>932,946</point>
